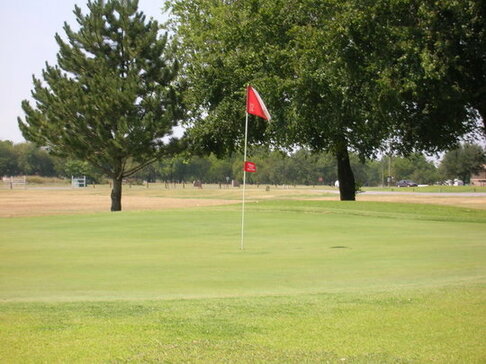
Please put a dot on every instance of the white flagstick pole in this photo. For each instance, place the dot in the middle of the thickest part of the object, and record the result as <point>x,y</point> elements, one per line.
<point>244,187</point>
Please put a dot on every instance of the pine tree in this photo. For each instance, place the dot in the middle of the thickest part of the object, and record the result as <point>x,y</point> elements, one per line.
<point>111,98</point>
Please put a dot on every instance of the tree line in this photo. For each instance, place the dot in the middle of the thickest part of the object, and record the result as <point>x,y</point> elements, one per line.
<point>342,78</point>
<point>273,167</point>
<point>31,160</point>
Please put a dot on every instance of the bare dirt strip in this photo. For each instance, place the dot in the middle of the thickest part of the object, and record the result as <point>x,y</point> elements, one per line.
<point>475,202</point>
<point>38,203</point>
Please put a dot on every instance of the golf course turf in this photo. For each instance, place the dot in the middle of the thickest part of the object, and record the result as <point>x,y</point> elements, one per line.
<point>318,281</point>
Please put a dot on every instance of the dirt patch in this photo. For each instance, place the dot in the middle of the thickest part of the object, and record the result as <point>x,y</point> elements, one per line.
<point>56,201</point>
<point>466,201</point>
<point>475,202</point>
<point>37,203</point>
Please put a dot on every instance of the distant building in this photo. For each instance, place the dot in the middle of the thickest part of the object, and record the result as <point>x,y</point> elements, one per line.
<point>479,179</point>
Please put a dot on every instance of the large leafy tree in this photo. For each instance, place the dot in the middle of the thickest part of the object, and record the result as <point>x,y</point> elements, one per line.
<point>436,80</point>
<point>339,76</point>
<point>454,37</point>
<point>415,167</point>
<point>463,161</point>
<point>111,98</point>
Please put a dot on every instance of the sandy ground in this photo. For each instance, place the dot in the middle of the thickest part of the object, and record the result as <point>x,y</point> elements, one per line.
<point>475,202</point>
<point>37,202</point>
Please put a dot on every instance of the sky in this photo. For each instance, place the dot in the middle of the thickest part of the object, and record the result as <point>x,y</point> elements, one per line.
<point>27,29</point>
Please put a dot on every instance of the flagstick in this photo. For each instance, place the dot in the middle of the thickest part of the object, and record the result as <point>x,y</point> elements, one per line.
<point>244,188</point>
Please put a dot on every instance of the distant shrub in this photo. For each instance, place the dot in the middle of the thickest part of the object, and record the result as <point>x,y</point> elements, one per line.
<point>46,180</point>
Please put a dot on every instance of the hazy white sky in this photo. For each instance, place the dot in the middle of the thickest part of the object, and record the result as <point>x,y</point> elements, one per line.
<point>27,29</point>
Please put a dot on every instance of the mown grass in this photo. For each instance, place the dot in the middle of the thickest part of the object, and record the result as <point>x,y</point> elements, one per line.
<point>434,189</point>
<point>442,325</point>
<point>387,210</point>
<point>318,281</point>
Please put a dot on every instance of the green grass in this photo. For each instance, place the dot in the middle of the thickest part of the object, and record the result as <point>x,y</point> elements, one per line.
<point>408,326</point>
<point>317,281</point>
<point>385,210</point>
<point>437,189</point>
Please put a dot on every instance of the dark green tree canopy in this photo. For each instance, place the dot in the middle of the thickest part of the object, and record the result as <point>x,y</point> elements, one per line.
<point>454,39</point>
<point>362,76</point>
<point>437,77</point>
<point>111,98</point>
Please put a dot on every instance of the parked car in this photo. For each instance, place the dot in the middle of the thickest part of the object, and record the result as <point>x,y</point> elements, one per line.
<point>406,183</point>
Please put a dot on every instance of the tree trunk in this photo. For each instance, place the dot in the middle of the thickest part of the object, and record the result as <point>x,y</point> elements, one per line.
<point>347,186</point>
<point>116,194</point>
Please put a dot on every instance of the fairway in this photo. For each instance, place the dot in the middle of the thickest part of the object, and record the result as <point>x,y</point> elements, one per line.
<point>317,281</point>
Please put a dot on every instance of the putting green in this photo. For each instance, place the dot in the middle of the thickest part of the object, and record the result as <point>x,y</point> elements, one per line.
<point>290,248</point>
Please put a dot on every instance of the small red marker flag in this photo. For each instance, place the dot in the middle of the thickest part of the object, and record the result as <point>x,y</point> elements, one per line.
<point>250,167</point>
<point>255,105</point>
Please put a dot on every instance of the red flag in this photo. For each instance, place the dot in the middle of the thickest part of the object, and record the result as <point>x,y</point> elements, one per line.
<point>250,167</point>
<point>255,105</point>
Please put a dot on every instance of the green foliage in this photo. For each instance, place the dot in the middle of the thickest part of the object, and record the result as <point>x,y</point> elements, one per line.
<point>435,70</point>
<point>8,159</point>
<point>112,96</point>
<point>28,159</point>
<point>415,168</point>
<point>462,162</point>
<point>364,76</point>
<point>25,159</point>
<point>77,168</point>
<point>274,167</point>
<point>34,161</point>
<point>454,40</point>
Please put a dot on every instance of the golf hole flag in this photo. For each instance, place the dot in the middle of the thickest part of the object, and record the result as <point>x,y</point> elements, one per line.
<point>255,105</point>
<point>250,167</point>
